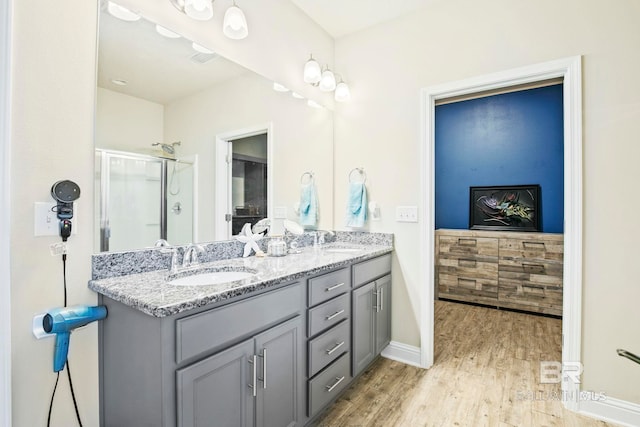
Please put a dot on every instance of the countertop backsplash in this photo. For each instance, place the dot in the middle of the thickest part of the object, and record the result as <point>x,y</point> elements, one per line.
<point>115,264</point>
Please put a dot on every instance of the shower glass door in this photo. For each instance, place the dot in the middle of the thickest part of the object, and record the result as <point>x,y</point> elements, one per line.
<point>131,191</point>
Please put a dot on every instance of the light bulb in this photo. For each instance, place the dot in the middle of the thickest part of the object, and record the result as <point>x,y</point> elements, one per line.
<point>312,72</point>
<point>342,92</point>
<point>235,24</point>
<point>328,81</point>
<point>201,10</point>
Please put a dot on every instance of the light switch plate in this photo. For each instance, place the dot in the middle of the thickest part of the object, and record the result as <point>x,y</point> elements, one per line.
<point>46,223</point>
<point>407,214</point>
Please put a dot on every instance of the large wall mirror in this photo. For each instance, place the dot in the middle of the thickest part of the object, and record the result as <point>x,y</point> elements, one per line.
<point>185,136</point>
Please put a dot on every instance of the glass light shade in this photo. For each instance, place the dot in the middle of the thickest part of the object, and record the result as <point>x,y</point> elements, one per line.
<point>328,81</point>
<point>342,93</point>
<point>121,12</point>
<point>201,49</point>
<point>201,10</point>
<point>312,72</point>
<point>235,23</point>
<point>166,33</point>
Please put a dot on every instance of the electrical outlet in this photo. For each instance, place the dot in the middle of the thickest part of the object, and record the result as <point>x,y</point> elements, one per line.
<point>407,214</point>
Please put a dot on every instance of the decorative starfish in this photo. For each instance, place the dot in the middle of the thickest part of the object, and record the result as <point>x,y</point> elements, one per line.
<point>249,239</point>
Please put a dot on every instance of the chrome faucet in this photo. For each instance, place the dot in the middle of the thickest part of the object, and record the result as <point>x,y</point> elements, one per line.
<point>162,243</point>
<point>190,258</point>
<point>173,269</point>
<point>319,237</point>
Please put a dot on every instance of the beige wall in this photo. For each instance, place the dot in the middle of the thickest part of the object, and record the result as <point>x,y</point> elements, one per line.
<point>302,140</point>
<point>53,71</point>
<point>456,39</point>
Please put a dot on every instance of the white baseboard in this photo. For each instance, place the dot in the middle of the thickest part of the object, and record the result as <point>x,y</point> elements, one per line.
<point>612,410</point>
<point>402,353</point>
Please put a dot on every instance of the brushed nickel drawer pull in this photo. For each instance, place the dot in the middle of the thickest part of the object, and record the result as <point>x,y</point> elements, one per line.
<point>334,315</point>
<point>334,287</point>
<point>537,245</point>
<point>381,299</point>
<point>335,347</point>
<point>467,242</point>
<point>264,368</point>
<point>532,266</point>
<point>254,376</point>
<point>331,387</point>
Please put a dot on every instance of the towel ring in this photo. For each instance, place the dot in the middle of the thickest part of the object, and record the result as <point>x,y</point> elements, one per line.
<point>361,172</point>
<point>310,179</point>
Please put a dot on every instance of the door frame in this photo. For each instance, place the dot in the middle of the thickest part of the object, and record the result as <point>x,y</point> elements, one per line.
<point>222,196</point>
<point>5,215</point>
<point>570,69</point>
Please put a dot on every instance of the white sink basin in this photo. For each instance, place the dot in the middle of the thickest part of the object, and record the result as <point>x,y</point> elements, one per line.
<point>342,250</point>
<point>211,278</point>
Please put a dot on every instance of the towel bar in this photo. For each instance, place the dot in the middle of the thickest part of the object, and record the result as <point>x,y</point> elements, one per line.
<point>361,172</point>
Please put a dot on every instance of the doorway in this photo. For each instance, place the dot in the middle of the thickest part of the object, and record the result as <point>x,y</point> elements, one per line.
<point>243,179</point>
<point>570,71</point>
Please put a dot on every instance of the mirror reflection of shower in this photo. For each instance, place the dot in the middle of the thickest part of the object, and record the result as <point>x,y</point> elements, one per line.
<point>144,198</point>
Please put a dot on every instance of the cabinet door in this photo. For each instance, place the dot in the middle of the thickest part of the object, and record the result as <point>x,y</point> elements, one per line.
<point>363,327</point>
<point>383,313</point>
<point>280,380</point>
<point>215,392</point>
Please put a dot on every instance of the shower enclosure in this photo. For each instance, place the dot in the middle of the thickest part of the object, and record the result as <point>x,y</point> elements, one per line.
<point>142,199</point>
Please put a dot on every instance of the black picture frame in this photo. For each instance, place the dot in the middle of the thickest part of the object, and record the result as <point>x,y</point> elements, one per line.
<point>505,208</point>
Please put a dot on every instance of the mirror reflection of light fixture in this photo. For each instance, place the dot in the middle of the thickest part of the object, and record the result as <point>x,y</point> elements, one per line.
<point>235,23</point>
<point>166,32</point>
<point>199,48</point>
<point>312,72</point>
<point>297,95</point>
<point>279,88</point>
<point>121,12</point>
<point>201,10</point>
<point>342,92</point>
<point>313,104</point>
<point>328,81</point>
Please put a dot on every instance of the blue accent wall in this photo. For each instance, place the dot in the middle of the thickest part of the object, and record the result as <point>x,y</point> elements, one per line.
<point>508,139</point>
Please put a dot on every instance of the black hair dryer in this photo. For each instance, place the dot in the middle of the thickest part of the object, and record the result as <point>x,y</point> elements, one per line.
<point>65,193</point>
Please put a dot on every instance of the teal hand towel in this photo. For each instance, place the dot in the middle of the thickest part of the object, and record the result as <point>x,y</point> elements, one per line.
<point>356,205</point>
<point>308,205</point>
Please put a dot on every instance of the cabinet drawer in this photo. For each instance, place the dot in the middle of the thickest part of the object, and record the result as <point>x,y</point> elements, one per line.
<point>329,346</point>
<point>532,271</point>
<point>211,329</point>
<point>465,247</point>
<point>367,271</point>
<point>530,297</point>
<point>532,249</point>
<point>468,267</point>
<point>328,384</point>
<point>471,288</point>
<point>328,314</point>
<point>329,285</point>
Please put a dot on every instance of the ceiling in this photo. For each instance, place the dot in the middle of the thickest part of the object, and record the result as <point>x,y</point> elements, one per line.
<point>343,17</point>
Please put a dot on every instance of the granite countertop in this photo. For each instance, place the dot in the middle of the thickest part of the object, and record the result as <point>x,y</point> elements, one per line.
<point>151,293</point>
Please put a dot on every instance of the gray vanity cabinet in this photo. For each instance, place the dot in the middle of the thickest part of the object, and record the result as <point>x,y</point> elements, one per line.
<point>371,311</point>
<point>255,383</point>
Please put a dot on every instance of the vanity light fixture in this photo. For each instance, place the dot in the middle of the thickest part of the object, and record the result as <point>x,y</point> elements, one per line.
<point>312,71</point>
<point>297,95</point>
<point>342,92</point>
<point>325,80</point>
<point>235,23</point>
<point>200,10</point>
<point>166,32</point>
<point>121,12</point>
<point>328,81</point>
<point>199,48</point>
<point>313,104</point>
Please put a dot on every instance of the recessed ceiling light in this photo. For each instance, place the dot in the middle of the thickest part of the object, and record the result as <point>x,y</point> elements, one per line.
<point>121,12</point>
<point>167,33</point>
<point>119,82</point>
<point>201,48</point>
<point>297,95</point>
<point>279,88</point>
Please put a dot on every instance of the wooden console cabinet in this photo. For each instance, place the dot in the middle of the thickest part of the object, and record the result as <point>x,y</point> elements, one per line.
<point>514,270</point>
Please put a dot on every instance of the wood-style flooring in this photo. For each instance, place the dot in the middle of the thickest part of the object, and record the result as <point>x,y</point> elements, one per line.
<point>486,373</point>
